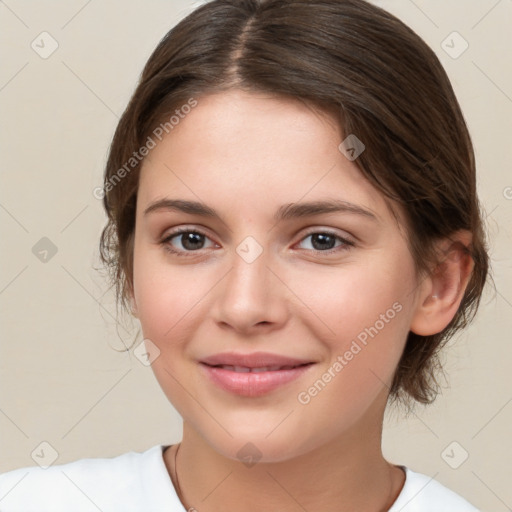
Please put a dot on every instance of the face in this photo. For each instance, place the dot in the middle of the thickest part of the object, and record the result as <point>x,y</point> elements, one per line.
<point>276,323</point>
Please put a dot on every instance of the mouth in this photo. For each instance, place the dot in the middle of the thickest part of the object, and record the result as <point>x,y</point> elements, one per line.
<point>255,374</point>
<point>261,369</point>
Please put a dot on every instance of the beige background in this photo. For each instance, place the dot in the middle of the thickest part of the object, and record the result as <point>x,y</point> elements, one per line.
<point>63,379</point>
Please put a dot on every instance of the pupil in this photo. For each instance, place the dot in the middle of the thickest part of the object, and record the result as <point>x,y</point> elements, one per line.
<point>189,239</point>
<point>322,238</point>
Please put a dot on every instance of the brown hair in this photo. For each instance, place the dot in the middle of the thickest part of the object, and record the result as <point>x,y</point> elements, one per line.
<point>387,87</point>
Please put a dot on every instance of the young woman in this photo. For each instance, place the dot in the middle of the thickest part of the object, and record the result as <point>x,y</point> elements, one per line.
<point>293,218</point>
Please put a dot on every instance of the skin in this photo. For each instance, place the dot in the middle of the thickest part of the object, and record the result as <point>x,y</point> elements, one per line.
<point>245,155</point>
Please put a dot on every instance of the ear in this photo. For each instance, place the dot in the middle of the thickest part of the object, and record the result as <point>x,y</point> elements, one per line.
<point>441,293</point>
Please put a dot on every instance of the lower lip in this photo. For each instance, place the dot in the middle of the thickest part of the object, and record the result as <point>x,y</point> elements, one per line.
<point>253,384</point>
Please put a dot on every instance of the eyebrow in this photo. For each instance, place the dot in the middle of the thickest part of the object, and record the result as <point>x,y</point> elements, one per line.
<point>285,212</point>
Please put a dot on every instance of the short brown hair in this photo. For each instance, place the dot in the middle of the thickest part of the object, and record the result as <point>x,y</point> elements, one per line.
<point>387,87</point>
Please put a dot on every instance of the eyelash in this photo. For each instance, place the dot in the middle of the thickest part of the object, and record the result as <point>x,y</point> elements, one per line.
<point>165,242</point>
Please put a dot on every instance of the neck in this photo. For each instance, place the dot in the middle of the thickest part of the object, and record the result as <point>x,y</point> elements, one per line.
<point>348,473</point>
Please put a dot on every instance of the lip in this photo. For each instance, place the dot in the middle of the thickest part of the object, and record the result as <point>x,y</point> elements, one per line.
<point>250,383</point>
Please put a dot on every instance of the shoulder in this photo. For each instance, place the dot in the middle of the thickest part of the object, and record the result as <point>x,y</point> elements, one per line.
<point>117,483</point>
<point>422,493</point>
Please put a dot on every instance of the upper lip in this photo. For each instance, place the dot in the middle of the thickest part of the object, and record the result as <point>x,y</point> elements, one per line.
<point>253,360</point>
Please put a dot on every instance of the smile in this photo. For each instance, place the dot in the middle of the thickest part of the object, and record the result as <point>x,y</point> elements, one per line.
<point>252,381</point>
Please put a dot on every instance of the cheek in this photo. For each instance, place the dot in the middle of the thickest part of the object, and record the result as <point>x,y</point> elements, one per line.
<point>162,304</point>
<point>347,301</point>
<point>169,307</point>
<point>169,297</point>
<point>365,315</point>
<point>370,328</point>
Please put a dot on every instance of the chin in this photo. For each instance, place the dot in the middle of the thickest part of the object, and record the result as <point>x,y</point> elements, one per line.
<point>251,446</point>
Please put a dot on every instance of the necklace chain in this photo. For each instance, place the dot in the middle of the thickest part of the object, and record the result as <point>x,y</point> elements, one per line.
<point>176,472</point>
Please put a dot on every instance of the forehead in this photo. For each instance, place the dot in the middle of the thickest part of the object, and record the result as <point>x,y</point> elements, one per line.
<point>249,150</point>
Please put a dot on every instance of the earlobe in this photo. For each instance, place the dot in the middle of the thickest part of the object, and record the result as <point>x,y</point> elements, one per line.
<point>442,293</point>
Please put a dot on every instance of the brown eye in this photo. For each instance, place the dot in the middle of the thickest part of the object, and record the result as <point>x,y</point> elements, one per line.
<point>191,241</point>
<point>184,241</point>
<point>323,241</point>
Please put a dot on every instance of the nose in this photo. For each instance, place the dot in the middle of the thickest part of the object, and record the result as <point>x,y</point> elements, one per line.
<point>252,297</point>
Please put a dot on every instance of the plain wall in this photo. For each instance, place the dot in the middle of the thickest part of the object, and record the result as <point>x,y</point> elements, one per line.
<point>63,377</point>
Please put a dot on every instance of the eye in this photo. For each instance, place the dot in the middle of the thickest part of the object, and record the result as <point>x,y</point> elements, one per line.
<point>190,240</point>
<point>184,242</point>
<point>325,241</point>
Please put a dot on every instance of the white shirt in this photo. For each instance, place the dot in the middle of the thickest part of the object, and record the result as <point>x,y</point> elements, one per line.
<point>140,482</point>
